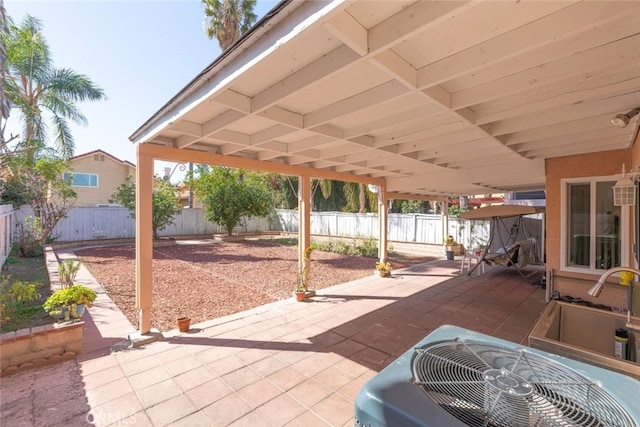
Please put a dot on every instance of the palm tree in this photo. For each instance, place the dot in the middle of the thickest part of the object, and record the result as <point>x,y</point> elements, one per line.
<point>4,102</point>
<point>33,86</point>
<point>358,197</point>
<point>227,20</point>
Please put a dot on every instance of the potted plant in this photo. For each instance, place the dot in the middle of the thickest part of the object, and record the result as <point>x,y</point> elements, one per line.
<point>184,322</point>
<point>67,271</point>
<point>300,292</point>
<point>449,244</point>
<point>383,269</point>
<point>302,286</point>
<point>69,302</point>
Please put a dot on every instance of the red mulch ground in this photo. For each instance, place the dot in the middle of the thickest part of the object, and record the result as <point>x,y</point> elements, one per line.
<point>211,280</point>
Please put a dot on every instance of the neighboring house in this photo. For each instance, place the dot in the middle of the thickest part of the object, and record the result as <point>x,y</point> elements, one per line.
<point>185,195</point>
<point>96,175</point>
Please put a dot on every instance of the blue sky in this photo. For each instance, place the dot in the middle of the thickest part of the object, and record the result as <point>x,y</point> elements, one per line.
<point>141,52</point>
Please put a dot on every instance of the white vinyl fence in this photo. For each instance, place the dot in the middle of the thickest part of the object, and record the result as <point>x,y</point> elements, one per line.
<point>415,228</point>
<point>6,231</point>
<point>115,223</point>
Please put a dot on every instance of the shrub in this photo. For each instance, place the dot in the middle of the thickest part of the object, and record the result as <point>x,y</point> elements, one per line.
<point>67,271</point>
<point>342,247</point>
<point>322,245</point>
<point>368,248</point>
<point>76,294</point>
<point>30,237</point>
<point>13,296</point>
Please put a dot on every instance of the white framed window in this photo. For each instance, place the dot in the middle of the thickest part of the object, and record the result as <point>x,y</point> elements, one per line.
<point>595,233</point>
<point>78,179</point>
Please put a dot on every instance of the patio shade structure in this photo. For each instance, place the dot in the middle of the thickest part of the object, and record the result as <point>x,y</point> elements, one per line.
<point>427,99</point>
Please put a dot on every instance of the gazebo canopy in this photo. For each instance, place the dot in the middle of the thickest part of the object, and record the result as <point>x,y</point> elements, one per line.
<point>500,211</point>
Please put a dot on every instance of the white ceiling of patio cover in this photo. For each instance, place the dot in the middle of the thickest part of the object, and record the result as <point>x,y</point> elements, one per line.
<point>438,98</point>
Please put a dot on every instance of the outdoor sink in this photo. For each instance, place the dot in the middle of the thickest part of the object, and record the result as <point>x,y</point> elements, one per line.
<point>583,333</point>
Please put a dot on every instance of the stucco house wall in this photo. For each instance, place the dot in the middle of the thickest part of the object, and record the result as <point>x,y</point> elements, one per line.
<point>111,173</point>
<point>586,165</point>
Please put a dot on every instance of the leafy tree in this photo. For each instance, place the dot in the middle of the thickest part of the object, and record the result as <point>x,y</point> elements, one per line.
<point>34,86</point>
<point>38,183</point>
<point>165,202</point>
<point>230,194</point>
<point>227,20</point>
<point>455,210</point>
<point>410,206</point>
<point>284,189</point>
<point>359,198</point>
<point>32,172</point>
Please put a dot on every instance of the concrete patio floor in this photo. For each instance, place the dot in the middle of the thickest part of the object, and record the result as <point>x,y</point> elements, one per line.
<point>281,364</point>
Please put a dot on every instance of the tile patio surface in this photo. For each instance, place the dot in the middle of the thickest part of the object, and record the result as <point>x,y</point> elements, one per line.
<point>282,364</point>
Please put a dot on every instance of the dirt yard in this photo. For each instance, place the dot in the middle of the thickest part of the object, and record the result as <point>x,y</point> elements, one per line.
<point>206,281</point>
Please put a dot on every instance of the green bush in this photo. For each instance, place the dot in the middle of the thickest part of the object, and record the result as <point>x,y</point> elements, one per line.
<point>14,296</point>
<point>30,237</point>
<point>368,248</point>
<point>76,294</point>
<point>342,247</point>
<point>67,271</point>
<point>322,245</point>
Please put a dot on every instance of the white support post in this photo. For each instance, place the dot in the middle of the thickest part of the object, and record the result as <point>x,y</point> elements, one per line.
<point>445,220</point>
<point>383,223</point>
<point>304,219</point>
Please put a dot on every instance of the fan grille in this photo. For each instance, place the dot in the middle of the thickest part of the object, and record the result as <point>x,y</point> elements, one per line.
<point>486,385</point>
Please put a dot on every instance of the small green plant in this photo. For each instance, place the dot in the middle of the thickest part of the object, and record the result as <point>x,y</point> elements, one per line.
<point>73,295</point>
<point>368,248</point>
<point>67,271</point>
<point>341,247</point>
<point>322,245</point>
<point>449,240</point>
<point>14,296</point>
<point>287,241</point>
<point>303,275</point>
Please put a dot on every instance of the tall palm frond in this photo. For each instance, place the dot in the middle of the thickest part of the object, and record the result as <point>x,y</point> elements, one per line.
<point>33,86</point>
<point>351,195</point>
<point>227,20</point>
<point>326,187</point>
<point>372,200</point>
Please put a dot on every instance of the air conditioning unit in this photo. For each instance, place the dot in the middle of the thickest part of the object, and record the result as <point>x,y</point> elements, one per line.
<point>457,377</point>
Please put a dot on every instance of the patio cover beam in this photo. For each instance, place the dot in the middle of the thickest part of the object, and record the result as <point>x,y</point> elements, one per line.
<point>161,152</point>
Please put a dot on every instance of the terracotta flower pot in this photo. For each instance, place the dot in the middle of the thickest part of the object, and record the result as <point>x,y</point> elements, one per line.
<point>184,323</point>
<point>300,296</point>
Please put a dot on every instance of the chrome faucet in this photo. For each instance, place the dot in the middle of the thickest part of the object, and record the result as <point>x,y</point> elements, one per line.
<point>596,290</point>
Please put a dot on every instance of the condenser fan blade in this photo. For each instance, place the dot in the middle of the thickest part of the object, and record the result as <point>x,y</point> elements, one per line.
<point>485,385</point>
